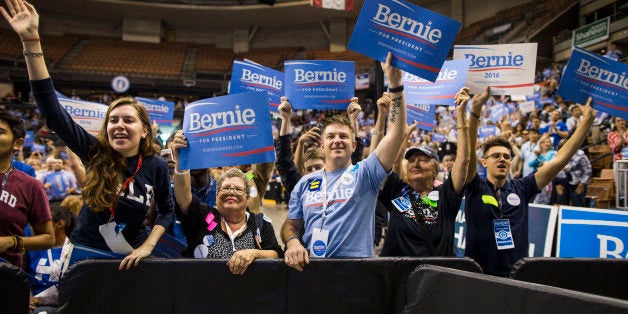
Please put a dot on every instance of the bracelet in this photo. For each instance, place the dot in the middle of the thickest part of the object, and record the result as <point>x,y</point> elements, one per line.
<point>290,238</point>
<point>19,245</point>
<point>30,39</point>
<point>397,89</point>
<point>462,126</point>
<point>477,116</point>
<point>376,132</point>
<point>33,53</point>
<point>184,172</point>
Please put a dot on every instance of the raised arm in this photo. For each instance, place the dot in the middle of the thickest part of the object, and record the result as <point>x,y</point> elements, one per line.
<point>24,20</point>
<point>461,165</point>
<point>549,170</point>
<point>396,119</point>
<point>353,110</point>
<point>379,129</point>
<point>312,136</point>
<point>474,120</point>
<point>407,135</point>
<point>181,180</point>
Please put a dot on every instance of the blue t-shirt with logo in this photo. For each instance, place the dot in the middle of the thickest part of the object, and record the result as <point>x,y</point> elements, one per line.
<point>350,210</point>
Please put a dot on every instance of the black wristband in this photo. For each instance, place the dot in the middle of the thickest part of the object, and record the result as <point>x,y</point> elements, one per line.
<point>397,89</point>
<point>477,116</point>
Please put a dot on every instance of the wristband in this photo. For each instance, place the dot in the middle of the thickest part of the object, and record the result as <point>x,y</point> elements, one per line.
<point>182,173</point>
<point>290,238</point>
<point>30,39</point>
<point>397,89</point>
<point>477,116</point>
<point>33,53</point>
<point>375,132</point>
<point>462,126</point>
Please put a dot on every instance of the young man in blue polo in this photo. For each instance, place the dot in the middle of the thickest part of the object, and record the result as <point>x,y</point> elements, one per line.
<point>497,208</point>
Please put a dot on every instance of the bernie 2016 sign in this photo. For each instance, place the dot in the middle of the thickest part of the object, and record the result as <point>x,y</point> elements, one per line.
<point>227,131</point>
<point>89,115</point>
<point>419,39</point>
<point>248,76</point>
<point>319,84</point>
<point>159,111</point>
<point>591,75</point>
<point>451,78</point>
<point>507,69</point>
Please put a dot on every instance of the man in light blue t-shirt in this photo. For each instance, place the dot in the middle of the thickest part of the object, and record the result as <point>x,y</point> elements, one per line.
<point>334,208</point>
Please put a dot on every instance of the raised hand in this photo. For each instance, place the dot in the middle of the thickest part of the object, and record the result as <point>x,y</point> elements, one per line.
<point>394,75</point>
<point>384,102</point>
<point>23,18</point>
<point>588,112</point>
<point>462,98</point>
<point>285,109</point>
<point>479,100</point>
<point>354,109</point>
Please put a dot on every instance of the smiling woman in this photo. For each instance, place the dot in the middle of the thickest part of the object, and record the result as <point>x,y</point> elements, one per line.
<point>124,176</point>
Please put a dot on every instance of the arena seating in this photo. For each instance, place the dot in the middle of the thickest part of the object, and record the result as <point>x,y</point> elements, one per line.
<point>14,290</point>
<point>214,60</point>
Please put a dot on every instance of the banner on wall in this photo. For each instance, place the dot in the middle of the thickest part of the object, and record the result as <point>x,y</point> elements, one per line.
<point>507,69</point>
<point>319,84</point>
<point>592,232</point>
<point>419,39</point>
<point>423,115</point>
<point>591,75</point>
<point>248,76</point>
<point>451,78</point>
<point>159,111</point>
<point>227,131</point>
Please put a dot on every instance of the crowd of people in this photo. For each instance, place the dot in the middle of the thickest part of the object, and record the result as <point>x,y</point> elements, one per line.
<point>345,176</point>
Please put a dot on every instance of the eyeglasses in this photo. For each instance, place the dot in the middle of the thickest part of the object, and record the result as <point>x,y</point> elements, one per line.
<point>234,190</point>
<point>497,156</point>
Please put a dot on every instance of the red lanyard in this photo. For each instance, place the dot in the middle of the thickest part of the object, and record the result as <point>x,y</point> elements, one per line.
<point>125,185</point>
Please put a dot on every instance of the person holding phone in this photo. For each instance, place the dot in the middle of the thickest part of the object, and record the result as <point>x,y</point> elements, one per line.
<point>124,174</point>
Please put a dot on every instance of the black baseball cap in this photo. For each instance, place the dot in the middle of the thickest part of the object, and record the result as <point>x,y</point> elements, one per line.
<point>425,150</point>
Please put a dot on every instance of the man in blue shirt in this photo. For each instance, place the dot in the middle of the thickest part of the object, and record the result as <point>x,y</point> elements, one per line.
<point>496,208</point>
<point>556,128</point>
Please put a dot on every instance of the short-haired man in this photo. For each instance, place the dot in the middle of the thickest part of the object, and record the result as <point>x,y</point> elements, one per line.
<point>496,209</point>
<point>335,207</point>
<point>556,128</point>
<point>22,199</point>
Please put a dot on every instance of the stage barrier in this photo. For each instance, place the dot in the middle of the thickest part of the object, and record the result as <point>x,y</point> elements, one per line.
<point>14,290</point>
<point>602,276</point>
<point>206,286</point>
<point>435,289</point>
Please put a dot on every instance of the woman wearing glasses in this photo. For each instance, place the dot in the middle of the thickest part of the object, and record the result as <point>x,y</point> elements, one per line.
<point>227,230</point>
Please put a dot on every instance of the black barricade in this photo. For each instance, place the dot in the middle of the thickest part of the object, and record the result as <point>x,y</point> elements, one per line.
<point>603,276</point>
<point>14,290</point>
<point>434,289</point>
<point>268,286</point>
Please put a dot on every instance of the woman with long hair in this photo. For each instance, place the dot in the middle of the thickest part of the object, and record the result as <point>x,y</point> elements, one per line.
<point>124,176</point>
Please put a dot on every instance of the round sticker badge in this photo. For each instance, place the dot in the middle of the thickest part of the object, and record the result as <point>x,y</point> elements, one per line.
<point>319,248</point>
<point>346,179</point>
<point>209,240</point>
<point>201,251</point>
<point>513,199</point>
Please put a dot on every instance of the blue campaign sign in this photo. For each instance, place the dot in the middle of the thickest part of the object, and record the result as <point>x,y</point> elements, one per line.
<point>227,131</point>
<point>319,84</point>
<point>486,131</point>
<point>419,39</point>
<point>498,111</point>
<point>423,115</point>
<point>451,78</point>
<point>592,232</point>
<point>248,76</point>
<point>160,111</point>
<point>41,148</point>
<point>591,75</point>
<point>29,138</point>
<point>541,228</point>
<point>439,138</point>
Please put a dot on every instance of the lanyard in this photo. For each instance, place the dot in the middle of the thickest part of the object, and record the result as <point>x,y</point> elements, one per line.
<point>125,185</point>
<point>5,178</point>
<point>233,235</point>
<point>333,190</point>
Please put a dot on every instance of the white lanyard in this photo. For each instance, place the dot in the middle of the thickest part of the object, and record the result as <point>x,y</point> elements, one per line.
<point>233,235</point>
<point>333,190</point>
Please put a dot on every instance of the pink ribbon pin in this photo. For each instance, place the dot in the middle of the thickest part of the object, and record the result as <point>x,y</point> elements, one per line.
<point>211,224</point>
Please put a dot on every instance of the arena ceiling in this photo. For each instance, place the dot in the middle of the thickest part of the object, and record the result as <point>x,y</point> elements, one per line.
<point>199,14</point>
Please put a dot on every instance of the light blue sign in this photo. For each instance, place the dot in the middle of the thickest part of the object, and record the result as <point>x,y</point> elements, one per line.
<point>160,111</point>
<point>486,131</point>
<point>439,138</point>
<point>592,232</point>
<point>424,115</point>
<point>41,148</point>
<point>29,138</point>
<point>227,131</point>
<point>248,76</point>
<point>591,75</point>
<point>319,84</point>
<point>451,78</point>
<point>419,39</point>
<point>498,111</point>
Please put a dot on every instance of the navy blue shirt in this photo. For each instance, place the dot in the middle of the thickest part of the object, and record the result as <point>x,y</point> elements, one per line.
<point>151,184</point>
<point>483,206</point>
